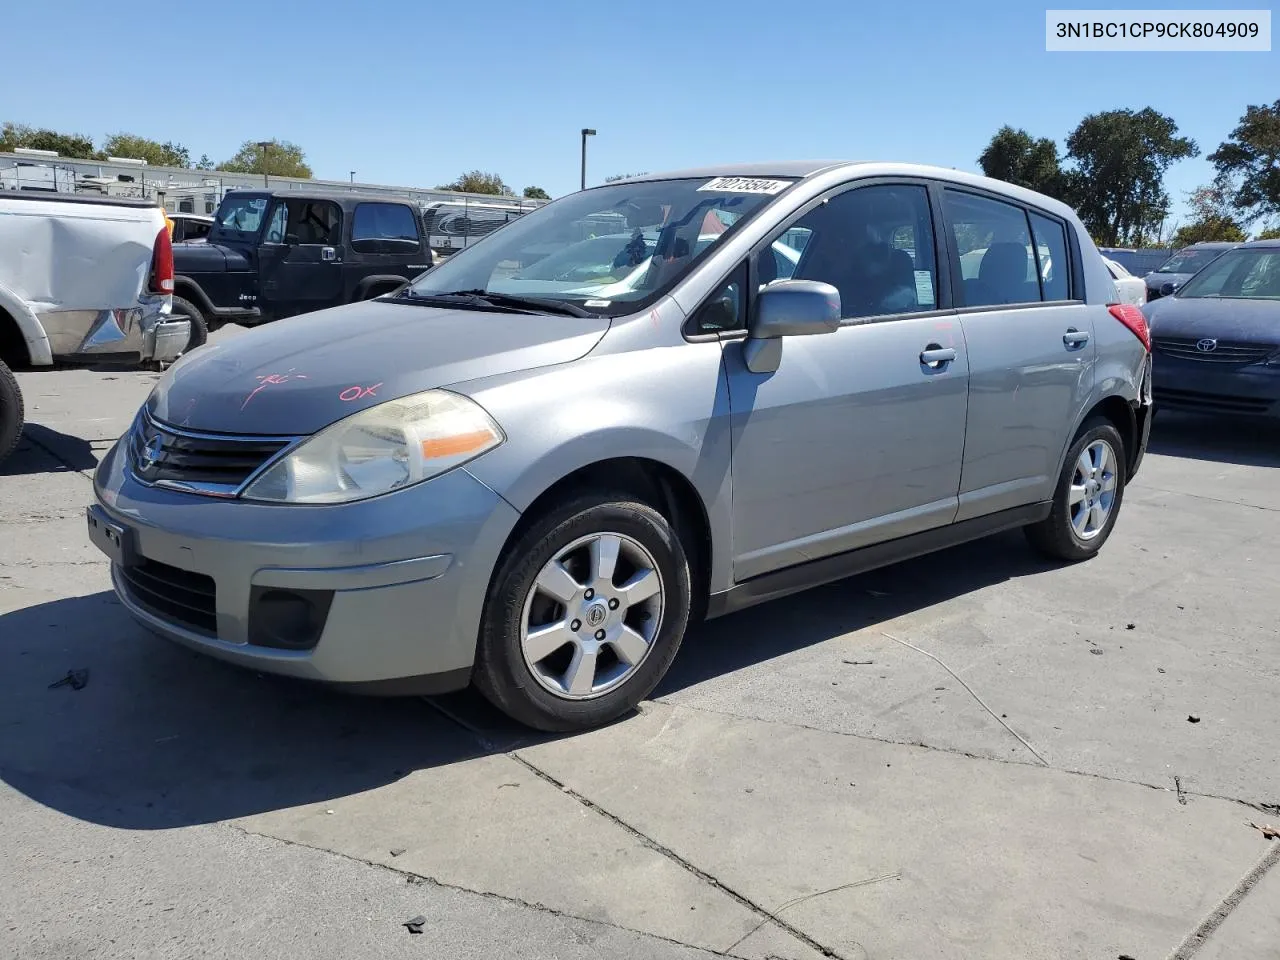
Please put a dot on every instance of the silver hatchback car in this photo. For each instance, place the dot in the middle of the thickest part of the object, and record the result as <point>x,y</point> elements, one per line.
<point>643,404</point>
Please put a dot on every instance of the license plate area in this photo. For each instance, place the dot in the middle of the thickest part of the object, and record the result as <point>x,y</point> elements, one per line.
<point>113,539</point>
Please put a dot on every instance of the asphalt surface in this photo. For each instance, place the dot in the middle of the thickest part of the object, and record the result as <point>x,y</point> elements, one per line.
<point>971,755</point>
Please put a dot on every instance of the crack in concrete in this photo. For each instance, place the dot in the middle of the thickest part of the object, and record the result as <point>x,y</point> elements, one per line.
<point>1198,937</point>
<point>412,877</point>
<point>1201,496</point>
<point>1259,806</point>
<point>647,841</point>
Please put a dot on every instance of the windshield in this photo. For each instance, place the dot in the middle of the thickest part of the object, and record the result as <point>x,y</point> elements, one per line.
<point>1238,275</point>
<point>610,249</point>
<point>241,214</point>
<point>1191,260</point>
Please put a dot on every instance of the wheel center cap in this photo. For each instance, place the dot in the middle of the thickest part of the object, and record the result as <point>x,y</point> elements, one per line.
<point>596,614</point>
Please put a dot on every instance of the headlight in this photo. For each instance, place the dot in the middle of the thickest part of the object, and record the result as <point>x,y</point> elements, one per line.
<point>393,445</point>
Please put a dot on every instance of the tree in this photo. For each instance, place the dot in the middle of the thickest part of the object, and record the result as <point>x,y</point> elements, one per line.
<point>1013,156</point>
<point>74,145</point>
<point>624,176</point>
<point>477,181</point>
<point>1271,233</point>
<point>1211,208</point>
<point>1252,154</point>
<point>205,163</point>
<point>167,154</point>
<point>279,158</point>
<point>1120,158</point>
<point>536,193</point>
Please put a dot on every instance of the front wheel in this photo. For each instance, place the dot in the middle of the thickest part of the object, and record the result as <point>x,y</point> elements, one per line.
<point>584,615</point>
<point>11,411</point>
<point>1087,499</point>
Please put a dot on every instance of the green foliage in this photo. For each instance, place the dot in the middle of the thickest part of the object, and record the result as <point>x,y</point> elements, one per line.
<point>1120,158</point>
<point>279,158</point>
<point>168,154</point>
<point>1271,233</point>
<point>1211,212</point>
<point>1252,154</point>
<point>536,193</point>
<point>73,145</point>
<point>477,181</point>
<point>1013,156</point>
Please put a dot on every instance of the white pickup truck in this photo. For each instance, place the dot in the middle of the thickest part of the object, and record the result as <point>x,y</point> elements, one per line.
<point>81,279</point>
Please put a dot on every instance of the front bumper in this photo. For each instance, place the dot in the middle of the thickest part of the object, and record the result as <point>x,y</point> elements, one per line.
<point>1210,388</point>
<point>144,330</point>
<point>398,581</point>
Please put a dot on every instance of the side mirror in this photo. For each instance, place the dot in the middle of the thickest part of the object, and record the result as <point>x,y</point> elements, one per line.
<point>788,308</point>
<point>1167,288</point>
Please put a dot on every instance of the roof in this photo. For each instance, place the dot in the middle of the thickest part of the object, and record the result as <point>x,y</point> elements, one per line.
<point>779,168</point>
<point>1272,244</point>
<point>1212,244</point>
<point>335,196</point>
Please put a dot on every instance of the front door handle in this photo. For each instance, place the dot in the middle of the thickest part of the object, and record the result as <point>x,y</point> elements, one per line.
<point>1075,338</point>
<point>935,356</point>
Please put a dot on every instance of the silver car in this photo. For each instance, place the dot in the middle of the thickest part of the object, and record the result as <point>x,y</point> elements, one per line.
<point>535,483</point>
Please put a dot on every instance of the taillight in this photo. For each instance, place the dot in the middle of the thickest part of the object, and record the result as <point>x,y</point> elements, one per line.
<point>162,263</point>
<point>1132,318</point>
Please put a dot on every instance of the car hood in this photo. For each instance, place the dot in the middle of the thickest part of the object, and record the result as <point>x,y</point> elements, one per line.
<point>295,376</point>
<point>201,256</point>
<point>1246,321</point>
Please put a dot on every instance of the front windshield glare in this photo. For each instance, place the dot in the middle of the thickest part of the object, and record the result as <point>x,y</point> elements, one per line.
<point>1239,275</point>
<point>609,248</point>
<point>1188,261</point>
<point>242,214</point>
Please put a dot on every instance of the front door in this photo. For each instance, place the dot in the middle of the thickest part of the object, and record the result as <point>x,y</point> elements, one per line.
<point>300,260</point>
<point>1031,355</point>
<point>858,436</point>
<point>386,240</point>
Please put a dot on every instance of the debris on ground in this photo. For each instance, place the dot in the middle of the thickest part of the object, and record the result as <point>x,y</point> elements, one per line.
<point>859,663</point>
<point>1192,718</point>
<point>1177,785</point>
<point>75,679</point>
<point>415,925</point>
<point>1124,956</point>
<point>1267,830</point>
<point>396,851</point>
<point>1159,669</point>
<point>1131,626</point>
<point>1096,651</point>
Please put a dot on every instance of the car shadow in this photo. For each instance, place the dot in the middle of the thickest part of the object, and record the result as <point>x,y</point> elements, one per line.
<point>159,736</point>
<point>42,449</point>
<point>1253,443</point>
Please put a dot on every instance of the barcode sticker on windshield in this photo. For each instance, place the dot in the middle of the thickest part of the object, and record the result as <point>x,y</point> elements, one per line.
<point>744,185</point>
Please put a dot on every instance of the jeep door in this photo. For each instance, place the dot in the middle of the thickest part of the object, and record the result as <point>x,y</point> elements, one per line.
<point>300,257</point>
<point>386,241</point>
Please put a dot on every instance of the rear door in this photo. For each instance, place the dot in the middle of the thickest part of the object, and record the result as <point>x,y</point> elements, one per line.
<point>300,259</point>
<point>386,240</point>
<point>1030,341</point>
<point>858,436</point>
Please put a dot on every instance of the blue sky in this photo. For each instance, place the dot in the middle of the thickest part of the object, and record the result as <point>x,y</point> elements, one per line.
<point>414,93</point>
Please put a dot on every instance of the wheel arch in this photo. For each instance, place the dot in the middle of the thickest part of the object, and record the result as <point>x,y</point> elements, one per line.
<point>22,336</point>
<point>188,289</point>
<point>1122,415</point>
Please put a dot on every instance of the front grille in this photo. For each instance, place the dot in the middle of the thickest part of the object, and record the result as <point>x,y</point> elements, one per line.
<point>1223,351</point>
<point>1209,402</point>
<point>160,453</point>
<point>174,594</point>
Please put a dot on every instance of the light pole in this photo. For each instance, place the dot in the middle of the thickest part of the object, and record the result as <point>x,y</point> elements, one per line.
<point>263,147</point>
<point>585,133</point>
<point>353,176</point>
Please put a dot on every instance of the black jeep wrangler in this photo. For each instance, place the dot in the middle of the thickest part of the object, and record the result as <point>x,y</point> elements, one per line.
<point>273,254</point>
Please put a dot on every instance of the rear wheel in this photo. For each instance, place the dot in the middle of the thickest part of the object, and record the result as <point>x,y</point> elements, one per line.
<point>1088,496</point>
<point>199,327</point>
<point>12,413</point>
<point>584,615</point>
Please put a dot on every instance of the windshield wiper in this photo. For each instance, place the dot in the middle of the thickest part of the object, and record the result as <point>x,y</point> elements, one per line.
<point>540,304</point>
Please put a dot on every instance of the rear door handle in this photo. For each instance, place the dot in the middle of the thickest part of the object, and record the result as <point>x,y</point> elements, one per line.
<point>1075,338</point>
<point>935,356</point>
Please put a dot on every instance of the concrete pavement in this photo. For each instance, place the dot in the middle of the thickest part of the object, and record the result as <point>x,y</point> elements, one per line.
<point>974,754</point>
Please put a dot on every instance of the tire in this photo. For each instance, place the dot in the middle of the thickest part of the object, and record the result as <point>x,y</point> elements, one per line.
<point>1064,534</point>
<point>12,412</point>
<point>199,327</point>
<point>537,688</point>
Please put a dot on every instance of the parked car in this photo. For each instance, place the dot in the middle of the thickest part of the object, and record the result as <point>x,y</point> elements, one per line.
<point>81,279</point>
<point>1129,289</point>
<point>277,254</point>
<point>1217,340</point>
<point>1182,266</point>
<point>189,227</point>
<point>480,479</point>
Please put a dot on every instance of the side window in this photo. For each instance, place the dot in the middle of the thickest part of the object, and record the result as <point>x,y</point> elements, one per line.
<point>276,225</point>
<point>1051,251</point>
<point>383,227</point>
<point>873,244</point>
<point>725,309</point>
<point>317,222</point>
<point>994,245</point>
